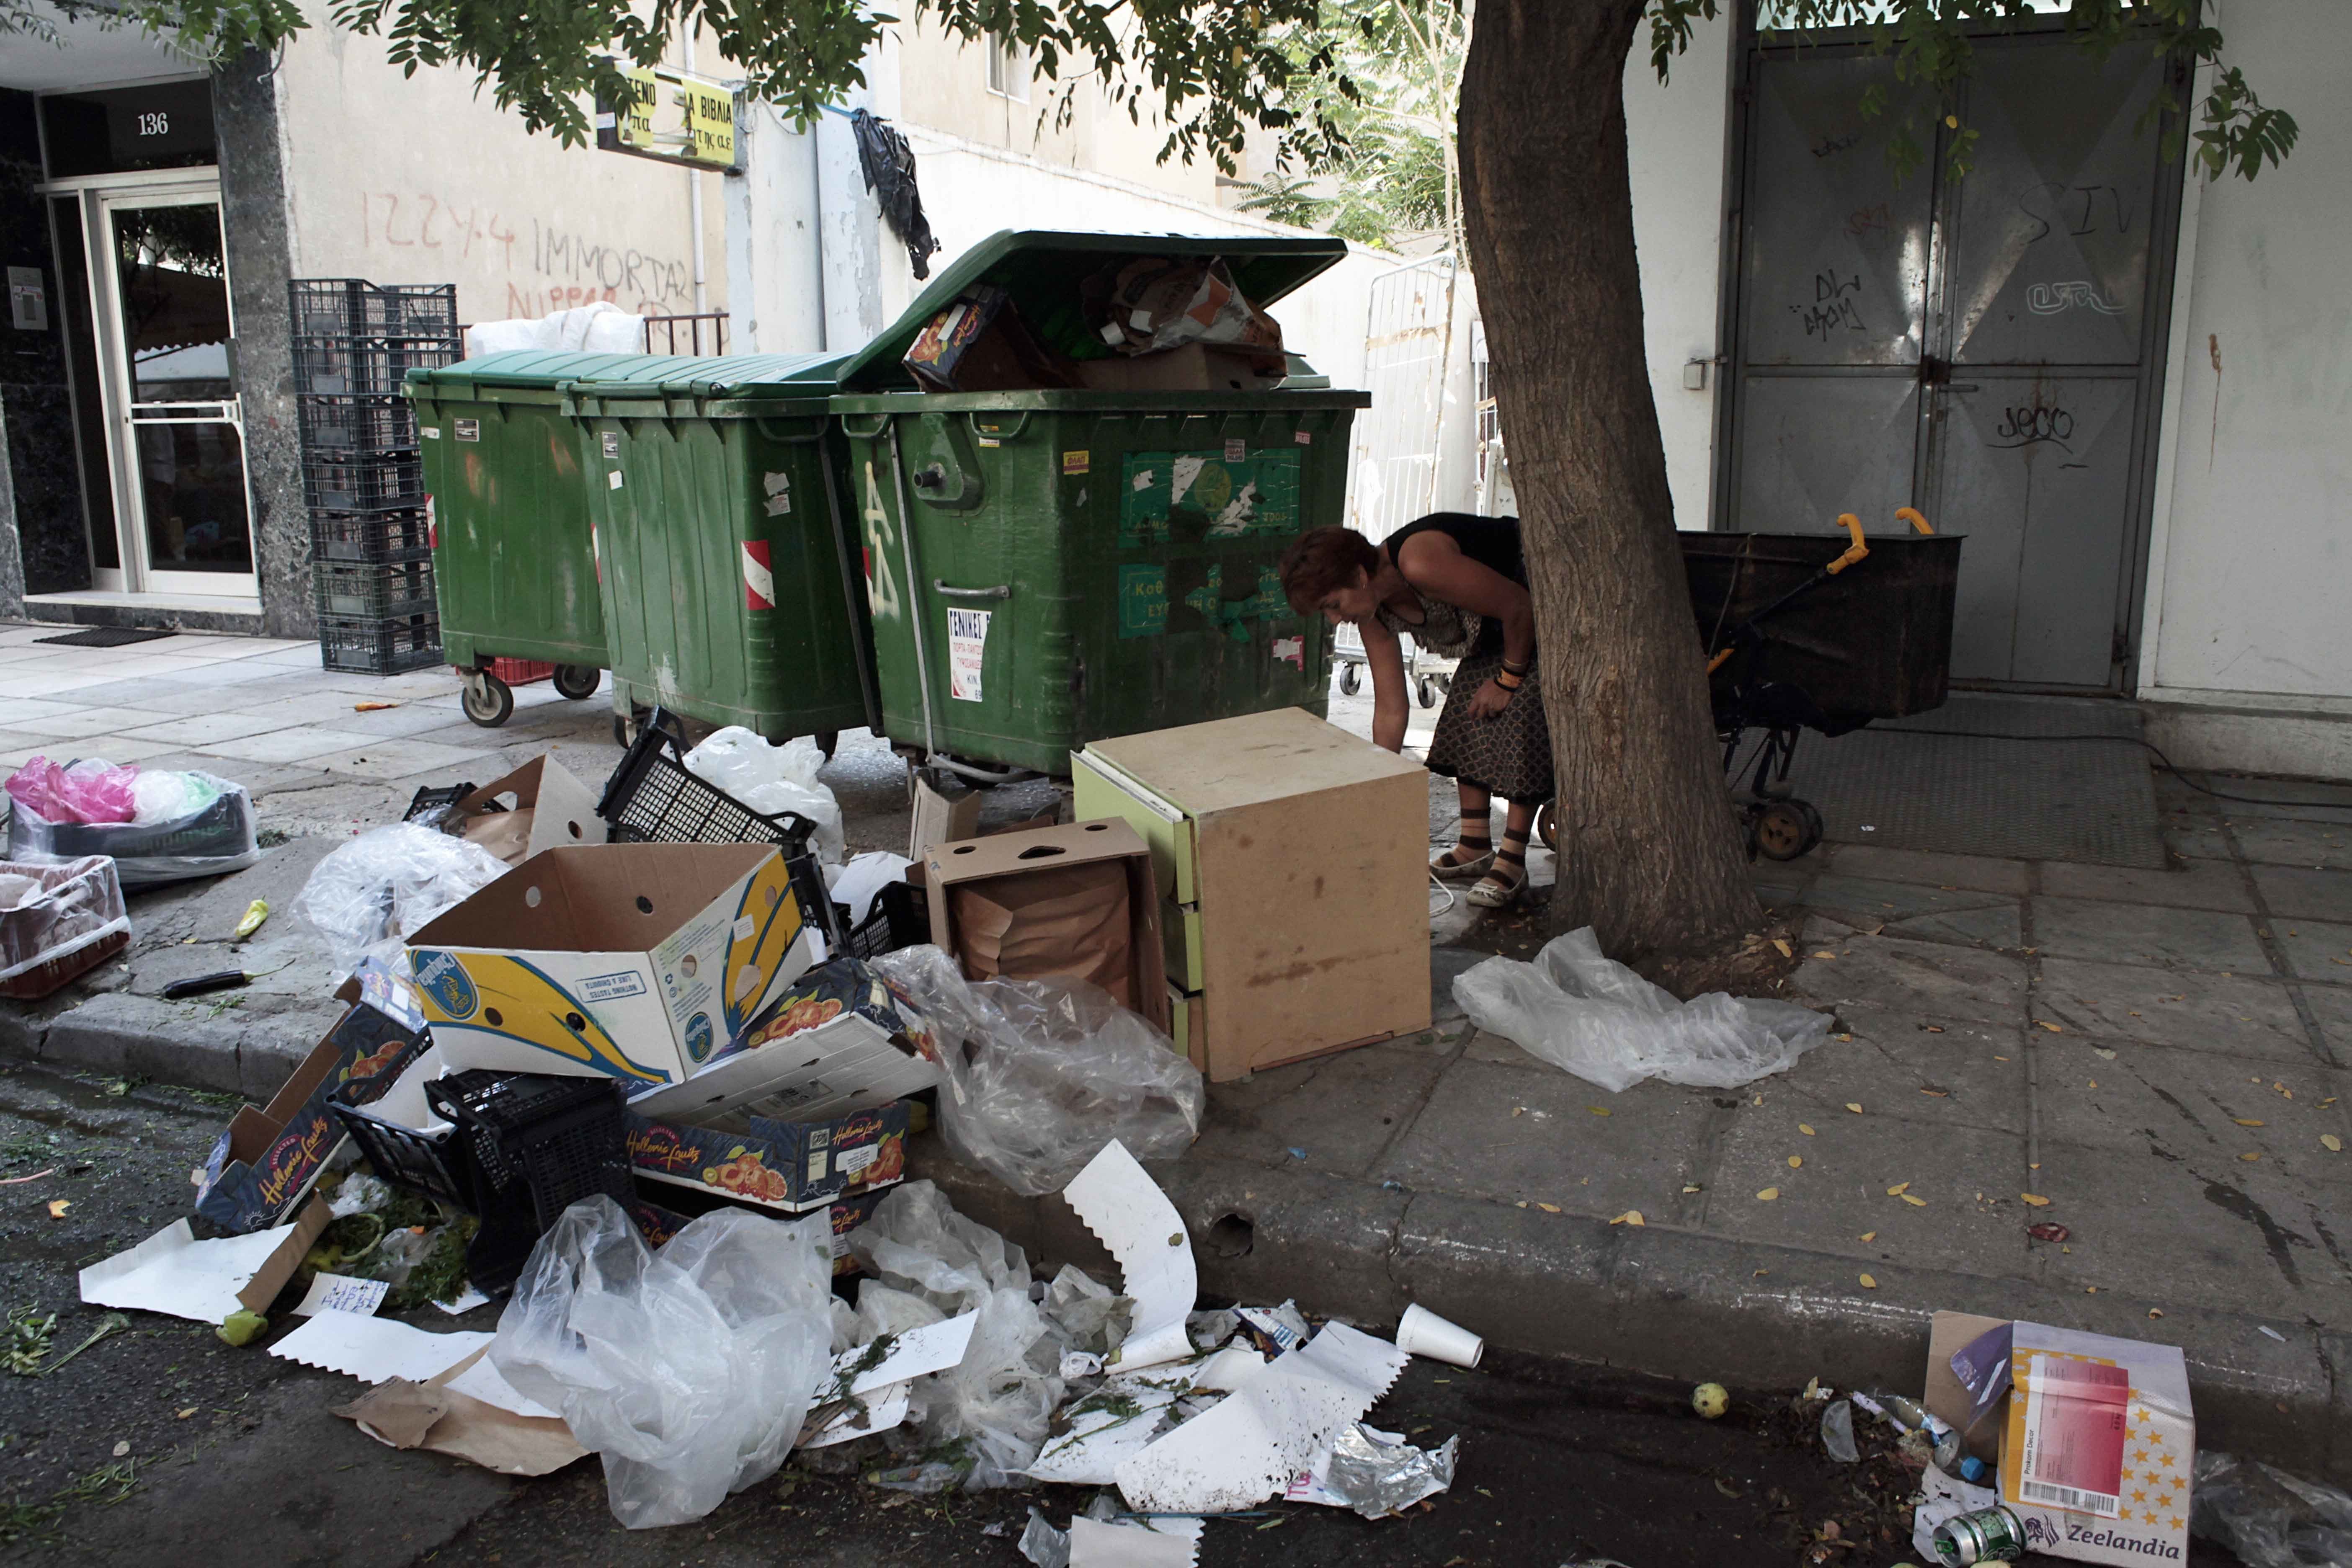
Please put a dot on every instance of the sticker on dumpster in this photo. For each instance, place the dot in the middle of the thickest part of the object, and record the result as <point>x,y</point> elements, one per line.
<point>430,431</point>
<point>1236,450</point>
<point>1304,438</point>
<point>1191,496</point>
<point>1075,463</point>
<point>1291,651</point>
<point>967,647</point>
<point>469,429</point>
<point>779,488</point>
<point>612,443</point>
<point>759,581</point>
<point>1142,601</point>
<point>613,478</point>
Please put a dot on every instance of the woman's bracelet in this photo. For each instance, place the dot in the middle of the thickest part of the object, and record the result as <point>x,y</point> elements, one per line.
<point>1506,680</point>
<point>1519,669</point>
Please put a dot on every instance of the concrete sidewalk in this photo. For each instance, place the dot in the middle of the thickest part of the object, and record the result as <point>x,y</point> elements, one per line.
<point>2159,1055</point>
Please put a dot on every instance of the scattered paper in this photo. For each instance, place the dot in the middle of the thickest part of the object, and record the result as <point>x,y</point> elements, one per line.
<point>1106,1429</point>
<point>375,1350</point>
<point>1122,1204</point>
<point>1135,1544</point>
<point>402,1414</point>
<point>174,1273</point>
<point>481,1379</point>
<point>877,1412</point>
<point>1267,1431</point>
<point>341,1293</point>
<point>464,1303</point>
<point>1281,1324</point>
<point>858,1404</point>
<point>1943,1497</point>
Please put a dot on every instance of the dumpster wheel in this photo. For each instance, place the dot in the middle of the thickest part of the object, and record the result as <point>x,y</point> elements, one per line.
<point>1352,680</point>
<point>577,682</point>
<point>488,700</point>
<point>1548,826</point>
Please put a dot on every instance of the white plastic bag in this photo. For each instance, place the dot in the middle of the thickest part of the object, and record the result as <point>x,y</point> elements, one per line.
<point>772,779</point>
<point>690,1370</point>
<point>1608,1026</point>
<point>1042,1073</point>
<point>368,895</point>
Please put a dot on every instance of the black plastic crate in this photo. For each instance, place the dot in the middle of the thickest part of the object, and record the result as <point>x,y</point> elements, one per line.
<point>434,1164</point>
<point>430,802</point>
<point>353,306</point>
<point>359,646</point>
<point>355,426</point>
<point>348,365</point>
<point>651,798</point>
<point>384,481</point>
<point>557,1139</point>
<point>349,590</point>
<point>221,829</point>
<point>900,918</point>
<point>383,538</point>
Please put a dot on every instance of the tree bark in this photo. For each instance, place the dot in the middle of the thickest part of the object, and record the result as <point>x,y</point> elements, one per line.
<point>1650,852</point>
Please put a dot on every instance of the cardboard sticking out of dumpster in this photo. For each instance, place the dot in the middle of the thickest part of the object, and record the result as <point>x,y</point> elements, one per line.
<point>980,345</point>
<point>552,810</point>
<point>1077,901</point>
<point>2096,1443</point>
<point>643,962</point>
<point>1193,367</point>
<point>270,1156</point>
<point>788,1166</point>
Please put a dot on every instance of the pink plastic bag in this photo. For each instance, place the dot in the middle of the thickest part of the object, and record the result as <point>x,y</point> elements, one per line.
<point>88,791</point>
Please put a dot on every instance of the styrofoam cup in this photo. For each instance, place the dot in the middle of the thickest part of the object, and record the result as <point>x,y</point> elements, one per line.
<point>1423,1332</point>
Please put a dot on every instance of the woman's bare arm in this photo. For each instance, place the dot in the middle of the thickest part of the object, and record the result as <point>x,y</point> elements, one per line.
<point>1386,657</point>
<point>1436,565</point>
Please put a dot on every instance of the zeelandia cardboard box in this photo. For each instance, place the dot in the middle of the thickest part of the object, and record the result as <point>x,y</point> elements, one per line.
<point>643,962</point>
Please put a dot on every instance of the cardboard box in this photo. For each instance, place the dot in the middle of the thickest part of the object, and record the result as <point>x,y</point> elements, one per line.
<point>836,1041</point>
<point>1294,853</point>
<point>946,809</point>
<point>268,1160</point>
<point>789,1167</point>
<point>658,1224</point>
<point>643,962</point>
<point>1004,858</point>
<point>538,806</point>
<point>980,345</point>
<point>1190,367</point>
<point>2097,1442</point>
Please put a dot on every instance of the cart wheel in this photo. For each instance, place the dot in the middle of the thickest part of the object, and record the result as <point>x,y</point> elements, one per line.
<point>1444,684</point>
<point>1425,690</point>
<point>1350,680</point>
<point>1813,825</point>
<point>1548,826</point>
<point>828,741</point>
<point>1783,832</point>
<point>624,733</point>
<point>488,700</point>
<point>577,682</point>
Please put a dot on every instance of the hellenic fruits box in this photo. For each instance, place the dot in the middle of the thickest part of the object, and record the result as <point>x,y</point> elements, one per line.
<point>836,1040</point>
<point>643,962</point>
<point>658,1224</point>
<point>788,1166</point>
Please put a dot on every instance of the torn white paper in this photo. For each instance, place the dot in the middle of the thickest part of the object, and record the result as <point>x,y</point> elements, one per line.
<point>1229,1368</point>
<point>934,1347</point>
<point>1267,1431</point>
<point>1121,1204</point>
<point>877,1412</point>
<point>341,1293</point>
<point>174,1273</point>
<point>1105,1429</point>
<point>483,1381</point>
<point>375,1348</point>
<point>465,1302</point>
<point>1134,1544</point>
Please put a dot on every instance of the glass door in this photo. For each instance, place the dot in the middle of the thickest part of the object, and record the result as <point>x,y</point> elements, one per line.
<point>178,448</point>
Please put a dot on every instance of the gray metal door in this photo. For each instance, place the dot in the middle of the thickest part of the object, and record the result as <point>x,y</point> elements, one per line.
<point>1984,349</point>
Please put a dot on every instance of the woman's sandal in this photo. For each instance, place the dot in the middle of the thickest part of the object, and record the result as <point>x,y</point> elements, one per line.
<point>1500,887</point>
<point>1470,871</point>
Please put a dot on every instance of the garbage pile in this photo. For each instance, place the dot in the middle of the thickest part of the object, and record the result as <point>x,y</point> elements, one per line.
<point>157,825</point>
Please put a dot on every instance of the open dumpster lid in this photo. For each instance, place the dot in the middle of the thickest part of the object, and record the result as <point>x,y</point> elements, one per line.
<point>1041,269</point>
<point>651,375</point>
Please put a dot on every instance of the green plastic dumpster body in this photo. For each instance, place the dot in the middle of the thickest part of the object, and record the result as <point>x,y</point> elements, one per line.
<point>1047,568</point>
<point>716,493</point>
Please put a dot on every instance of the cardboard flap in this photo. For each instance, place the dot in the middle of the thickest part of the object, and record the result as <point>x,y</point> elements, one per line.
<point>1077,844</point>
<point>552,810</point>
<point>611,898</point>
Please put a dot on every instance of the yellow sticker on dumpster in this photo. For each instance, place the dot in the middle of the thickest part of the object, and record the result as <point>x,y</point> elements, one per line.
<point>1076,462</point>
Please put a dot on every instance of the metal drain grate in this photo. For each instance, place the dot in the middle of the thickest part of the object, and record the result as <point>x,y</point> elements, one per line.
<point>107,636</point>
<point>1913,784</point>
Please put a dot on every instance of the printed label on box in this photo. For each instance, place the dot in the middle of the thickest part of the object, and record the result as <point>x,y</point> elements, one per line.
<point>967,650</point>
<point>2074,1426</point>
<point>853,1160</point>
<point>607,987</point>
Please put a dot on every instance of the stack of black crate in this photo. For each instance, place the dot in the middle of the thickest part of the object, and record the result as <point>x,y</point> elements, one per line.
<point>370,525</point>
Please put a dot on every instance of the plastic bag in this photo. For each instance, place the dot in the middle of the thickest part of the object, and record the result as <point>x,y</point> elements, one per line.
<point>999,1402</point>
<point>1837,1433</point>
<point>214,835</point>
<point>169,795</point>
<point>49,912</point>
<point>2270,1519</point>
<point>1608,1026</point>
<point>367,896</point>
<point>88,791</point>
<point>690,1370</point>
<point>772,779</point>
<point>1042,1073</point>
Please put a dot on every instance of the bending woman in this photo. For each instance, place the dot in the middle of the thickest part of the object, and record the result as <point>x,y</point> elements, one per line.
<point>1458,585</point>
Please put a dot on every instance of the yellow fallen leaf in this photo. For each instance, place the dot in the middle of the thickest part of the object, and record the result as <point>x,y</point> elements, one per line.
<point>1916,1203</point>
<point>2036,1199</point>
<point>2332,1143</point>
<point>1854,1106</point>
<point>58,1207</point>
<point>1631,1217</point>
<point>1841,1036</point>
<point>2045,1023</point>
<point>1868,1283</point>
<point>1768,1194</point>
<point>1518,1110</point>
<point>1825,952</point>
<point>1898,1189</point>
<point>1870,1236</point>
<point>184,1415</point>
<point>2250,1157</point>
<point>371,707</point>
<point>2243,1121</point>
<point>1597,1109</point>
<point>1796,1162</point>
<point>1549,1208</point>
<point>1805,1127</point>
<point>1786,951</point>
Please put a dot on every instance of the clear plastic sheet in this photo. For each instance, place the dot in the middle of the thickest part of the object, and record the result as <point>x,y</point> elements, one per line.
<point>770,779</point>
<point>690,1370</point>
<point>368,895</point>
<point>1598,1019</point>
<point>209,836</point>
<point>2269,1518</point>
<point>1042,1074</point>
<point>48,912</point>
<point>88,791</point>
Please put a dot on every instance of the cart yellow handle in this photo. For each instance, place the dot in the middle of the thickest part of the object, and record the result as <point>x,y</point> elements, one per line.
<point>1854,551</point>
<point>1911,516</point>
<point>1718,660</point>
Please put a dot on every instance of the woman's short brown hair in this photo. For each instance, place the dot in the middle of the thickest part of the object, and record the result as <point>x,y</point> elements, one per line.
<point>1323,558</point>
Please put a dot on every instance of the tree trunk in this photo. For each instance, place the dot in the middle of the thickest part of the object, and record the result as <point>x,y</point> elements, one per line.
<point>1650,852</point>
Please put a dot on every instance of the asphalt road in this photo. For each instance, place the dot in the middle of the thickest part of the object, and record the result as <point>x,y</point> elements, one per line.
<point>160,1444</point>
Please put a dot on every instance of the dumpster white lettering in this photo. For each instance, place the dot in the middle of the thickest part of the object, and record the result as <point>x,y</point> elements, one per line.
<point>881,588</point>
<point>967,649</point>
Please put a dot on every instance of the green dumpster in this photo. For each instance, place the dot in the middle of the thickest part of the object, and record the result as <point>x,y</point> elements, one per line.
<point>513,564</point>
<point>715,488</point>
<point>1046,568</point>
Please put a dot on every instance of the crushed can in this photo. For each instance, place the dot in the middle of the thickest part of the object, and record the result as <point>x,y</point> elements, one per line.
<point>1988,1535</point>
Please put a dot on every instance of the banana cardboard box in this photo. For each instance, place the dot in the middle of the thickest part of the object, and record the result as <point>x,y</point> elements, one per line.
<point>641,961</point>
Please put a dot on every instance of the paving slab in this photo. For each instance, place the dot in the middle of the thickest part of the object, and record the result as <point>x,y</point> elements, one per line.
<point>2225,1015</point>
<point>1935,980</point>
<point>2194,1104</point>
<point>2143,933</point>
<point>2200,885</point>
<point>1954,1076</point>
<point>1334,1114</point>
<point>83,722</point>
<point>2317,950</point>
<point>2276,841</point>
<point>1976,873</point>
<point>2293,891</point>
<point>402,757</point>
<point>2333,1009</point>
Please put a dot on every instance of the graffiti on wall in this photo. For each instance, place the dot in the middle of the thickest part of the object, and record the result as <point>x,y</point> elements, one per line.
<point>548,267</point>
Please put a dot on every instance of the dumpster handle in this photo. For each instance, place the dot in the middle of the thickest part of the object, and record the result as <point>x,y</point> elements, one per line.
<point>940,586</point>
<point>1911,516</point>
<point>913,611</point>
<point>1854,551</point>
<point>971,418</point>
<point>881,423</point>
<point>846,547</point>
